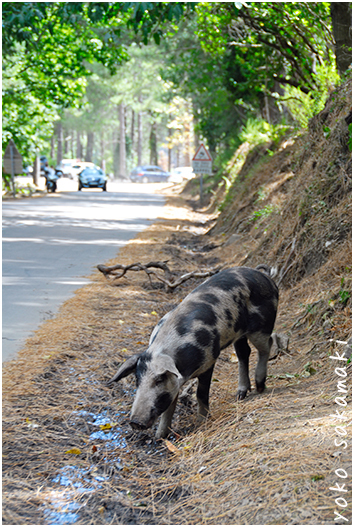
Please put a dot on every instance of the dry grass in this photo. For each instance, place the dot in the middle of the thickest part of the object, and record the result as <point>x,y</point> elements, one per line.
<point>270,459</point>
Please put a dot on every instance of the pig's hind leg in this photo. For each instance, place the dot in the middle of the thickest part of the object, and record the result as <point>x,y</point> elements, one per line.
<point>243,354</point>
<point>263,343</point>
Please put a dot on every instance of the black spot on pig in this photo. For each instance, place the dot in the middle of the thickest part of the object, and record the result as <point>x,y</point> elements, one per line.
<point>256,323</point>
<point>205,313</point>
<point>229,317</point>
<point>210,298</point>
<point>162,402</point>
<point>263,287</point>
<point>141,366</point>
<point>225,280</point>
<point>242,318</point>
<point>203,337</point>
<point>199,311</point>
<point>189,358</point>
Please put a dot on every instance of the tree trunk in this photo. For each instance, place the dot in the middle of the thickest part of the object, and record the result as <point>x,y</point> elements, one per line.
<point>153,145</point>
<point>52,146</point>
<point>78,146</point>
<point>67,138</point>
<point>89,147</point>
<point>341,14</point>
<point>36,170</point>
<point>103,152</point>
<point>187,134</point>
<point>140,138</point>
<point>132,134</point>
<point>169,146</point>
<point>115,149</point>
<point>59,142</point>
<point>72,141</point>
<point>122,162</point>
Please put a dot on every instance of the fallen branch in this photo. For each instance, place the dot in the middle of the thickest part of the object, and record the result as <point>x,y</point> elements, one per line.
<point>158,265</point>
<point>185,277</point>
<point>133,267</point>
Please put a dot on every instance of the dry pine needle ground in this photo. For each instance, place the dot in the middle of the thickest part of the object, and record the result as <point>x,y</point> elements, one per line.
<point>269,459</point>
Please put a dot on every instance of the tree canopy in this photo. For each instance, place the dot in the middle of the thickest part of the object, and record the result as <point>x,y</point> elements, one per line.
<point>229,61</point>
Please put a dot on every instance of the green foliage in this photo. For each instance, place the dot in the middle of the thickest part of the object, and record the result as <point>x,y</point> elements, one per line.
<point>229,61</point>
<point>26,117</point>
<point>344,294</point>
<point>317,477</point>
<point>303,106</point>
<point>257,131</point>
<point>263,213</point>
<point>6,182</point>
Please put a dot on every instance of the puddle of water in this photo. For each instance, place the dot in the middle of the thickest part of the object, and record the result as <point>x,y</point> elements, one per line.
<point>62,507</point>
<point>113,435</point>
<point>115,438</point>
<point>71,476</point>
<point>64,513</point>
<point>63,504</point>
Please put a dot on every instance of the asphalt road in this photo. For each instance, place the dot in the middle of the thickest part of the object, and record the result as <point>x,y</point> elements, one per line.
<point>51,244</point>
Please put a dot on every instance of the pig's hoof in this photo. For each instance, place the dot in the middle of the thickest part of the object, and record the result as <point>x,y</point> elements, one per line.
<point>260,386</point>
<point>241,394</point>
<point>201,419</point>
<point>161,434</point>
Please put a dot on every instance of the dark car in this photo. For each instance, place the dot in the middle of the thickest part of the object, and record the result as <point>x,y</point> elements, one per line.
<point>149,174</point>
<point>92,177</point>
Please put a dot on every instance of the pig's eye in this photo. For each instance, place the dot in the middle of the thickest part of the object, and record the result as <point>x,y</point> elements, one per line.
<point>160,379</point>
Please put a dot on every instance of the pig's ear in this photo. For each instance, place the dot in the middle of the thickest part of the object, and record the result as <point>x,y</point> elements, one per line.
<point>125,369</point>
<point>166,364</point>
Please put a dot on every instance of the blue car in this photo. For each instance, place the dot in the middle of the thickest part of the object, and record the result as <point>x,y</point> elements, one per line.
<point>149,174</point>
<point>92,177</point>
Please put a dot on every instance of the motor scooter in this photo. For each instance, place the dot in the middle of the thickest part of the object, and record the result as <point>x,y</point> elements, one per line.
<point>51,177</point>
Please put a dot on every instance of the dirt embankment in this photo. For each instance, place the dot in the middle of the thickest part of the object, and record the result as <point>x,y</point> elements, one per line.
<point>69,456</point>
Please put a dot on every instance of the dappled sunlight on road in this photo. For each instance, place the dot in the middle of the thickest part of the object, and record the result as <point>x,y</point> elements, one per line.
<point>51,243</point>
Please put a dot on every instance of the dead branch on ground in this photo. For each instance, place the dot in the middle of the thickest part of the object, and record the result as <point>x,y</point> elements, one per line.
<point>147,268</point>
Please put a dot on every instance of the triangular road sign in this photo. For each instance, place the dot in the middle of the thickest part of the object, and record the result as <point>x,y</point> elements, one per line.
<point>12,161</point>
<point>202,154</point>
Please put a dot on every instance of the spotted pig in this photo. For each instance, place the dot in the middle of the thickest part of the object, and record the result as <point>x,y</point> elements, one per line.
<point>232,307</point>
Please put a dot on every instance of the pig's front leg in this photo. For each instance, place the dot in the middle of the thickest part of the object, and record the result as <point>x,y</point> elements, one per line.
<point>164,427</point>
<point>203,389</point>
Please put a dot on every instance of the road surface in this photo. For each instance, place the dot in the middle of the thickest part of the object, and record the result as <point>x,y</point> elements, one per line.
<point>51,244</point>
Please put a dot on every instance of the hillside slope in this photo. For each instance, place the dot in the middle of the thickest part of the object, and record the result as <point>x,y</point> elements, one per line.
<point>292,209</point>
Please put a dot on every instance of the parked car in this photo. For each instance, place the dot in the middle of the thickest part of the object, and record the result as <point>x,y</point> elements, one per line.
<point>65,167</point>
<point>78,166</point>
<point>92,177</point>
<point>149,174</point>
<point>180,174</point>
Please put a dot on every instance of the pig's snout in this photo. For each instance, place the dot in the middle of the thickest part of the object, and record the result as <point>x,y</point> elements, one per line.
<point>137,426</point>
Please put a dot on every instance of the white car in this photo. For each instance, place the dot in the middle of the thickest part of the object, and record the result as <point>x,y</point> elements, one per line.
<point>66,167</point>
<point>79,166</point>
<point>180,174</point>
<point>72,167</point>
